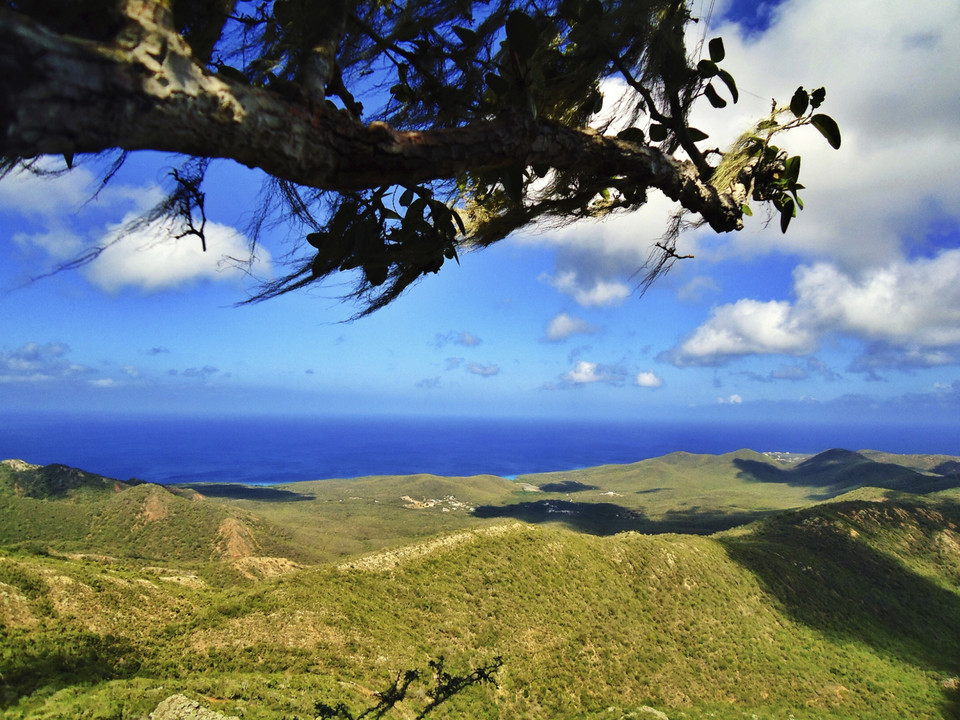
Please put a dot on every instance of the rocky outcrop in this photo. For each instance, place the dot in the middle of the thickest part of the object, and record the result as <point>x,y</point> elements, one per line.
<point>180,707</point>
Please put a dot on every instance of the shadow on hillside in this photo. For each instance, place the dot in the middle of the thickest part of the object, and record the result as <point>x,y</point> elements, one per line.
<point>827,579</point>
<point>566,486</point>
<point>609,518</point>
<point>233,491</point>
<point>29,665</point>
<point>838,471</point>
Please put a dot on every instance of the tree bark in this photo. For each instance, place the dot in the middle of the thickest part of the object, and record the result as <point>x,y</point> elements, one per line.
<point>145,91</point>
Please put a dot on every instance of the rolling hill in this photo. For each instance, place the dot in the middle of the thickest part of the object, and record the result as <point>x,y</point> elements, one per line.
<point>838,599</point>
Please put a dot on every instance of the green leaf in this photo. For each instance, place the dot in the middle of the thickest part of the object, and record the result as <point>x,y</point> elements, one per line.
<point>745,209</point>
<point>633,134</point>
<point>730,83</point>
<point>817,97</point>
<point>658,133</point>
<point>791,169</point>
<point>696,135</point>
<point>717,52</point>
<point>407,197</point>
<point>714,97</point>
<point>828,128</point>
<point>523,34</point>
<point>389,214</point>
<point>799,102</point>
<point>707,69</point>
<point>787,212</point>
<point>467,37</point>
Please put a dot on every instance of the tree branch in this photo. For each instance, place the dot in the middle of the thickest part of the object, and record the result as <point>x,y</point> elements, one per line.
<point>62,95</point>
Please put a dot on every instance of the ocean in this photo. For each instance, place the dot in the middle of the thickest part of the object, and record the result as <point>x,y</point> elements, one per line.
<point>269,450</point>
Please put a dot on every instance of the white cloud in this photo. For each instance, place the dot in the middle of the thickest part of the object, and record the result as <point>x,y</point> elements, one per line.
<point>586,291</point>
<point>904,303</point>
<point>746,327</point>
<point>59,243</point>
<point>649,379</point>
<point>562,326</point>
<point>147,258</point>
<point>151,260</point>
<point>584,372</point>
<point>907,311</point>
<point>30,194</point>
<point>33,362</point>
<point>730,400</point>
<point>483,370</point>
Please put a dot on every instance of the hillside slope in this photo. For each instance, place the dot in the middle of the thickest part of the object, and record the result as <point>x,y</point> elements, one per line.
<point>837,611</point>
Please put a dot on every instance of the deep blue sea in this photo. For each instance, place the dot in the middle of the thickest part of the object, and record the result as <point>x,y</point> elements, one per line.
<point>278,450</point>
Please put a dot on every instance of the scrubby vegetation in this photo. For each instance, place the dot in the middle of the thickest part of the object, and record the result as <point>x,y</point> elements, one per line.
<point>837,599</point>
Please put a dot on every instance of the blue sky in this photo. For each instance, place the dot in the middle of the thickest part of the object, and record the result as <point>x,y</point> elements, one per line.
<point>854,315</point>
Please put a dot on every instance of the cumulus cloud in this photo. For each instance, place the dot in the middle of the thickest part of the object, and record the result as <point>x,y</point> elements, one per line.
<point>44,195</point>
<point>146,258</point>
<point>587,291</point>
<point>562,326</point>
<point>150,260</point>
<point>35,362</point>
<point>429,383</point>
<point>648,379</point>
<point>903,303</point>
<point>483,370</point>
<point>730,400</point>
<point>907,311</point>
<point>746,327</point>
<point>586,372</point>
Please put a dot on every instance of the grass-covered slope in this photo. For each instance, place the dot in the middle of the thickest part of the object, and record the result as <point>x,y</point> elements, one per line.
<point>845,608</point>
<point>65,510</point>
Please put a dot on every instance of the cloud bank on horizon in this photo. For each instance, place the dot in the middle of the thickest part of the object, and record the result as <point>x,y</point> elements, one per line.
<point>857,305</point>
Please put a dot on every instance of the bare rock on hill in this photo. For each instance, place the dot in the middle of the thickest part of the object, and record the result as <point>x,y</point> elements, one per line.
<point>180,707</point>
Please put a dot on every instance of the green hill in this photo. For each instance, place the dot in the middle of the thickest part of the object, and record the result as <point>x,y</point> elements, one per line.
<point>835,609</point>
